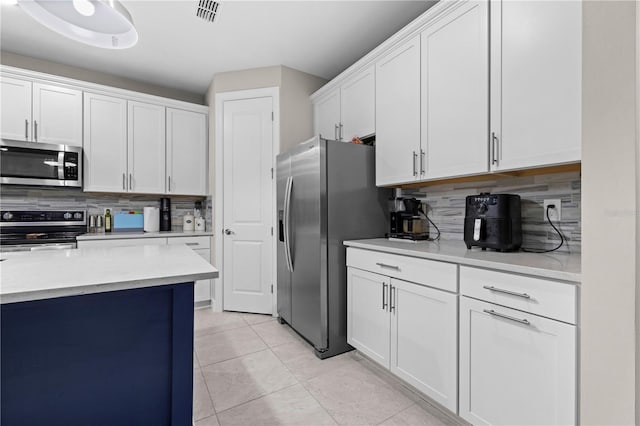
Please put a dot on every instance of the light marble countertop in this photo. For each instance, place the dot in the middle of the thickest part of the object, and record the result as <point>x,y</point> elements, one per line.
<point>560,266</point>
<point>39,275</point>
<point>124,235</point>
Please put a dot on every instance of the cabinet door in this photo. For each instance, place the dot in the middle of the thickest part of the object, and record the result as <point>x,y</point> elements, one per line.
<point>514,372</point>
<point>398,114</point>
<point>424,347</point>
<point>57,115</point>
<point>455,93</point>
<point>146,148</point>
<point>536,67</point>
<point>368,314</point>
<point>16,109</point>
<point>202,288</point>
<point>358,97</point>
<point>187,154</point>
<point>105,143</point>
<point>326,116</point>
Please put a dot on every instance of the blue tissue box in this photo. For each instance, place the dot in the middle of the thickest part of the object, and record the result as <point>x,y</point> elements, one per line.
<point>124,222</point>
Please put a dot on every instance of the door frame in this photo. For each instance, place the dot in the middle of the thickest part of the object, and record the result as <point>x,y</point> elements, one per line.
<point>218,214</point>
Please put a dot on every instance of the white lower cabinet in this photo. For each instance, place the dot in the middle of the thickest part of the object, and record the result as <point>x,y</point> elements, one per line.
<point>408,328</point>
<point>517,349</point>
<point>368,325</point>
<point>424,324</point>
<point>200,244</point>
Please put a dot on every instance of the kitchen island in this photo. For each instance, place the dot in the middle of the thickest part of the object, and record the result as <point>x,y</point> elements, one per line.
<point>98,336</point>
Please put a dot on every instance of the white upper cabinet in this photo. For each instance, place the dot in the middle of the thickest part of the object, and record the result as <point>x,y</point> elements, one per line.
<point>455,92</point>
<point>16,109</point>
<point>36,112</point>
<point>326,116</point>
<point>398,114</point>
<point>57,115</point>
<point>187,153</point>
<point>348,111</point>
<point>536,67</point>
<point>105,143</point>
<point>357,105</point>
<point>146,148</point>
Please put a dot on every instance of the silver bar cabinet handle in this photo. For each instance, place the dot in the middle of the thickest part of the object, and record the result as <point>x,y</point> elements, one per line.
<point>169,184</point>
<point>415,169</point>
<point>35,130</point>
<point>494,141</point>
<point>26,129</point>
<point>384,296</point>
<point>124,181</point>
<point>392,291</point>
<point>512,293</point>
<point>340,132</point>
<point>497,314</point>
<point>422,162</point>
<point>384,265</point>
<point>335,131</point>
<point>130,182</point>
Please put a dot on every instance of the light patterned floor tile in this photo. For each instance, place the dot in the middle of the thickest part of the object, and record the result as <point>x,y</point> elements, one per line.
<point>289,406</point>
<point>242,379</point>
<point>414,416</point>
<point>212,348</point>
<point>208,421</point>
<point>301,360</point>
<point>355,396</point>
<point>207,322</point>
<point>274,333</point>
<point>202,405</point>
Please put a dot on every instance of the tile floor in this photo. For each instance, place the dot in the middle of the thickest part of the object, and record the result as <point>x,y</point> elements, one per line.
<point>250,370</point>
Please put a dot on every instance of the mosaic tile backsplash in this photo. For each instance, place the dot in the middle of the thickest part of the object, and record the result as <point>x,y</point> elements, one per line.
<point>32,198</point>
<point>446,207</point>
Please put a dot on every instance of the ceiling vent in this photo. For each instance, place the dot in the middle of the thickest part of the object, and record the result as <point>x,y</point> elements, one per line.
<point>208,10</point>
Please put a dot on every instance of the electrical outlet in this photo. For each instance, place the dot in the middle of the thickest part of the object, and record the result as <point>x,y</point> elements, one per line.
<point>554,213</point>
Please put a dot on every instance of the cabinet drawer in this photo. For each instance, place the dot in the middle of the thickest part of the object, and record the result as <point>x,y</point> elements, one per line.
<point>123,242</point>
<point>195,243</point>
<point>551,299</point>
<point>435,274</point>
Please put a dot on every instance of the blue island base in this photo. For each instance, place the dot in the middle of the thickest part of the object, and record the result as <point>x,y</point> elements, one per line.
<point>115,358</point>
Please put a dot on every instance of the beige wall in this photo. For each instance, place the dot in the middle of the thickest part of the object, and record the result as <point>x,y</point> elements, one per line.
<point>608,302</point>
<point>296,111</point>
<point>34,64</point>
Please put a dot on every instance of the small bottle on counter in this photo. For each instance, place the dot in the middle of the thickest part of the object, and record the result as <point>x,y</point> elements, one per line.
<point>108,224</point>
<point>99,224</point>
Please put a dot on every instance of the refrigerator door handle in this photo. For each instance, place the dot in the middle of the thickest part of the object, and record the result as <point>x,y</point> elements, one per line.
<point>287,225</point>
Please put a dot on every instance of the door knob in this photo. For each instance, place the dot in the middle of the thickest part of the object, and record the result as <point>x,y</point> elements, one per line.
<point>228,231</point>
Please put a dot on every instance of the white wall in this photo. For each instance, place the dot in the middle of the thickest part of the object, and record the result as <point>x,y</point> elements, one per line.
<point>40,65</point>
<point>608,303</point>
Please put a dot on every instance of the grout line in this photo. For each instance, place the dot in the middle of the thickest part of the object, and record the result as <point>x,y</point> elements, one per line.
<point>393,415</point>
<point>209,394</point>
<point>253,399</point>
<point>235,357</point>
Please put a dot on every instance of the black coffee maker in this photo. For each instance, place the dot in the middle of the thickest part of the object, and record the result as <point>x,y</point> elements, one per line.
<point>407,221</point>
<point>493,221</point>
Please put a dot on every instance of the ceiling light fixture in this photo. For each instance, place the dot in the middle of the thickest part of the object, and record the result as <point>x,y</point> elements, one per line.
<point>100,23</point>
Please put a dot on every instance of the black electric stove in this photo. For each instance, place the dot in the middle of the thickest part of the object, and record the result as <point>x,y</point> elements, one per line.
<point>29,230</point>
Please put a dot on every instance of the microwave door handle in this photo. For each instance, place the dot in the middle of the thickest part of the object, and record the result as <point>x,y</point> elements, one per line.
<point>61,165</point>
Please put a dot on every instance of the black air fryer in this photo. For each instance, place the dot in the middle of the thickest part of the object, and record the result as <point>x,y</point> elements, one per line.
<point>493,221</point>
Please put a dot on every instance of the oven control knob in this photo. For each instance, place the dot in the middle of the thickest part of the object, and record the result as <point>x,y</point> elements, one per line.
<point>7,216</point>
<point>482,208</point>
<point>67,215</point>
<point>77,215</point>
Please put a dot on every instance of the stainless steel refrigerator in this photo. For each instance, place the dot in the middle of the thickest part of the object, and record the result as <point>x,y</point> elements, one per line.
<point>326,194</point>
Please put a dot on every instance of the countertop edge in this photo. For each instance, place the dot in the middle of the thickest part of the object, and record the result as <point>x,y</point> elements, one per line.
<point>132,235</point>
<point>572,277</point>
<point>104,287</point>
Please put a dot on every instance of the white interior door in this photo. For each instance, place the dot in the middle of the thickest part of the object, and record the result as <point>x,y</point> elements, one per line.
<point>247,204</point>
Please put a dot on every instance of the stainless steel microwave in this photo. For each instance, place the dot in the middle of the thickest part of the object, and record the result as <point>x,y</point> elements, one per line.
<point>34,163</point>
